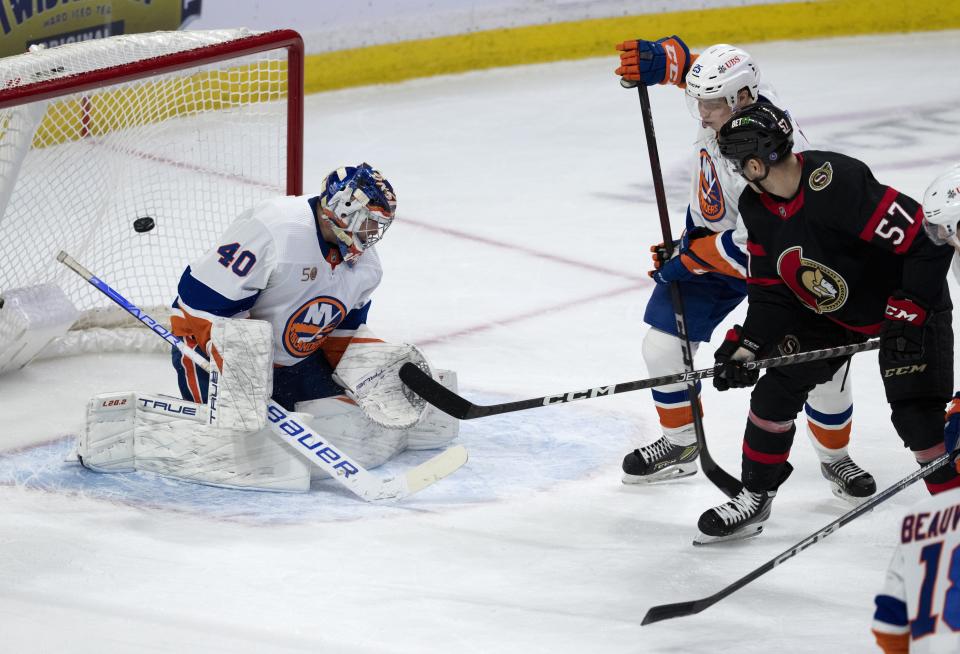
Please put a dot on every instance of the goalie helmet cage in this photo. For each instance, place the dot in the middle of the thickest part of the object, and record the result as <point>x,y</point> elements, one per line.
<point>134,153</point>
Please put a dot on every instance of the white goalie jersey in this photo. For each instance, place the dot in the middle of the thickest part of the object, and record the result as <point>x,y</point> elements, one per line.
<point>272,264</point>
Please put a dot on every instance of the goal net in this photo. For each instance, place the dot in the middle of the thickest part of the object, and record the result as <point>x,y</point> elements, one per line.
<point>133,153</point>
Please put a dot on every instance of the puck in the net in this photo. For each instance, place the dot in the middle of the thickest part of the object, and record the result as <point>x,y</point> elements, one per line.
<point>144,224</point>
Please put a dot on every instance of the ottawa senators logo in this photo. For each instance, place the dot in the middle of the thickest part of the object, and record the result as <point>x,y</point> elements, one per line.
<point>308,326</point>
<point>712,206</point>
<point>817,286</point>
<point>821,177</point>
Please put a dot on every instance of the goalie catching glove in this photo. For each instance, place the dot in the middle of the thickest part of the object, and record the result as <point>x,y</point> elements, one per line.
<point>369,374</point>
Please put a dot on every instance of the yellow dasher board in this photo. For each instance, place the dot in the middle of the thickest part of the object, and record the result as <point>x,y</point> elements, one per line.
<point>24,23</point>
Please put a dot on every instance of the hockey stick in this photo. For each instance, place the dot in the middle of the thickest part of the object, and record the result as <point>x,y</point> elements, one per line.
<point>299,436</point>
<point>682,609</point>
<point>459,407</point>
<point>723,480</point>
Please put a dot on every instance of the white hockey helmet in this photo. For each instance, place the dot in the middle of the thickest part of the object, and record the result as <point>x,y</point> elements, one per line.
<point>718,74</point>
<point>941,207</point>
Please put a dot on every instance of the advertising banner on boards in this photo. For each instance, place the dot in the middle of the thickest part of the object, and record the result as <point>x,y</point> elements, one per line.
<point>24,23</point>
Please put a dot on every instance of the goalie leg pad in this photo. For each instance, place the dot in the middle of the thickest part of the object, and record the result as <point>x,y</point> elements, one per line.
<point>170,437</point>
<point>239,390</point>
<point>436,428</point>
<point>345,425</point>
<point>106,442</point>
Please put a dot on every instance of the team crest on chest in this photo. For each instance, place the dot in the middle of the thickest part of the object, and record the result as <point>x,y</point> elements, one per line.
<point>712,206</point>
<point>821,177</point>
<point>308,326</point>
<point>819,287</point>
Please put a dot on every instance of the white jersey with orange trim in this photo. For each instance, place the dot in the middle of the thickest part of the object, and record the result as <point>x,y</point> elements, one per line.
<point>918,610</point>
<point>714,192</point>
<point>272,264</point>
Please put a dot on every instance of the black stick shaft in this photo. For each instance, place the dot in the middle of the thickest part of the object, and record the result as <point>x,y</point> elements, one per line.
<point>683,609</point>
<point>459,407</point>
<point>723,480</point>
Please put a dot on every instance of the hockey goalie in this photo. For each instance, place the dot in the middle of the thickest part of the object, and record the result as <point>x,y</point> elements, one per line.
<point>279,306</point>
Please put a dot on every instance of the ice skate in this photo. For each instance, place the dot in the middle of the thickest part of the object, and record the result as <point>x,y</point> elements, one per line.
<point>849,481</point>
<point>660,461</point>
<point>739,518</point>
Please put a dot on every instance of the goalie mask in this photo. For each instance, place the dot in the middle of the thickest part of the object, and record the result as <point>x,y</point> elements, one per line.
<point>358,204</point>
<point>941,208</point>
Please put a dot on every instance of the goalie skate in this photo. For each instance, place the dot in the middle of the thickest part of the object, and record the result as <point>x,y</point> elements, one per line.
<point>849,481</point>
<point>660,461</point>
<point>739,518</point>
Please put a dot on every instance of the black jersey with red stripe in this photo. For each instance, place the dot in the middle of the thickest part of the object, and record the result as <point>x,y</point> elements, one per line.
<point>840,246</point>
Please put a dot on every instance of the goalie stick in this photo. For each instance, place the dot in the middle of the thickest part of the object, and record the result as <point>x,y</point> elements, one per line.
<point>720,478</point>
<point>299,436</point>
<point>452,404</point>
<point>683,609</point>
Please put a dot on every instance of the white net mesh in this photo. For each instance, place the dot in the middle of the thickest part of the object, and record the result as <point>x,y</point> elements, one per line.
<point>190,149</point>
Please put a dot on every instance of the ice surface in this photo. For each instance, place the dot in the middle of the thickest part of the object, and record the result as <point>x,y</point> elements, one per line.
<point>519,260</point>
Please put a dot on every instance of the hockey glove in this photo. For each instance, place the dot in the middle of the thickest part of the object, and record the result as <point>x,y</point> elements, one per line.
<point>901,336</point>
<point>685,263</point>
<point>735,351</point>
<point>665,61</point>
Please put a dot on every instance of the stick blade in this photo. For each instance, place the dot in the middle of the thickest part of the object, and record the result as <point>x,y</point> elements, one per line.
<point>676,610</point>
<point>434,392</point>
<point>435,469</point>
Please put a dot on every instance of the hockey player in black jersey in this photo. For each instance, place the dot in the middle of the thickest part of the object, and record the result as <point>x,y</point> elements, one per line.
<point>835,257</point>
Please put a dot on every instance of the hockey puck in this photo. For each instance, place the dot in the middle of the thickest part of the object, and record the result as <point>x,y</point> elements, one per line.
<point>145,224</point>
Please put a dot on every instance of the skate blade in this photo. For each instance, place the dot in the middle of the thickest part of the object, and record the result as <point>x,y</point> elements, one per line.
<point>846,497</point>
<point>667,474</point>
<point>749,531</point>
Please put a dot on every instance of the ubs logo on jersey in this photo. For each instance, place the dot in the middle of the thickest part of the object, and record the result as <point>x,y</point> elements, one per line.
<point>309,325</point>
<point>821,177</point>
<point>817,286</point>
<point>712,206</point>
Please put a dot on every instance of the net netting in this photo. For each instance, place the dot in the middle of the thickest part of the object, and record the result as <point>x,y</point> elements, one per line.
<point>184,151</point>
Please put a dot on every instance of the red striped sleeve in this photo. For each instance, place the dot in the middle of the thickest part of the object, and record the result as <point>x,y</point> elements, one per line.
<point>870,228</point>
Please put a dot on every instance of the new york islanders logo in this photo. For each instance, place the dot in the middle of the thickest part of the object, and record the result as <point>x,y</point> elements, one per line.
<point>819,287</point>
<point>712,206</point>
<point>308,326</point>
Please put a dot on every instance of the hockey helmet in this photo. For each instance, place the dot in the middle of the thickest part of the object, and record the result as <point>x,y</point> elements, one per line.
<point>359,204</point>
<point>718,75</point>
<point>758,131</point>
<point>941,207</point>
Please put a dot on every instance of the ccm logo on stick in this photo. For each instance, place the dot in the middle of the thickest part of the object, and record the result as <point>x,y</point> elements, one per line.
<point>579,395</point>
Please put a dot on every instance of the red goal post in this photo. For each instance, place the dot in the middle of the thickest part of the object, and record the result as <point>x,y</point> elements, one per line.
<point>186,129</point>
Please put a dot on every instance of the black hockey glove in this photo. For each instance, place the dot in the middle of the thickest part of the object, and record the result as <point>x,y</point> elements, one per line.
<point>735,351</point>
<point>901,336</point>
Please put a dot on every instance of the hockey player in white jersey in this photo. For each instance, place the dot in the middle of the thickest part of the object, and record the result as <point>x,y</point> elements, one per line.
<point>918,609</point>
<point>280,305</point>
<point>709,265</point>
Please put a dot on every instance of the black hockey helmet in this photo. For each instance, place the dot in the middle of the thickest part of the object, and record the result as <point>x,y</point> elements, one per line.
<point>759,131</point>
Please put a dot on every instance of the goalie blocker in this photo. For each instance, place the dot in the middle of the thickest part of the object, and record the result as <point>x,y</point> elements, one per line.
<point>235,448</point>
